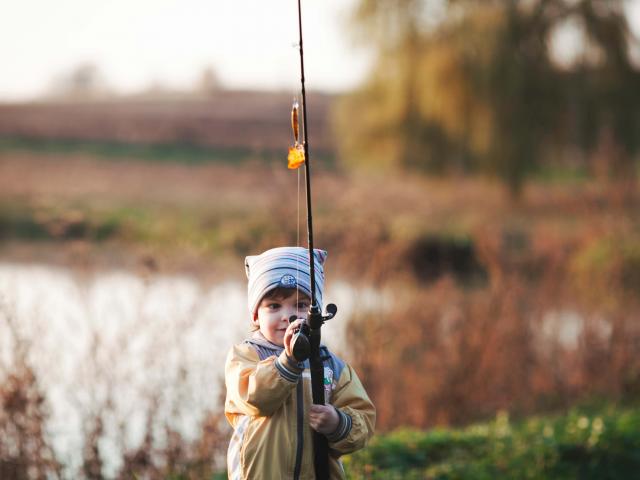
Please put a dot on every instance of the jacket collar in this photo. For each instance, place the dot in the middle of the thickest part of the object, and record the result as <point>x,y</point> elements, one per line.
<point>258,339</point>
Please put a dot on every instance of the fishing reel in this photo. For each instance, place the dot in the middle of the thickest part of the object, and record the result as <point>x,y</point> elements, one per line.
<point>301,343</point>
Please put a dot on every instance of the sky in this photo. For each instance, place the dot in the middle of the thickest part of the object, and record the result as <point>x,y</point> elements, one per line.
<point>137,43</point>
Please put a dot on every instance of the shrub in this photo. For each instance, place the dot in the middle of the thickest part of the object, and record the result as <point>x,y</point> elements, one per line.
<point>583,443</point>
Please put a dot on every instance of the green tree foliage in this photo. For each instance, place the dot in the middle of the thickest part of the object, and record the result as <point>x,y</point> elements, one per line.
<point>475,86</point>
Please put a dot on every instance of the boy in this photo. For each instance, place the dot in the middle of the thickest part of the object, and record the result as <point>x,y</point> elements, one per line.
<point>269,400</point>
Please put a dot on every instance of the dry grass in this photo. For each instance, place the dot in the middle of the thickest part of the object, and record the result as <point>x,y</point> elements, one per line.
<point>214,209</point>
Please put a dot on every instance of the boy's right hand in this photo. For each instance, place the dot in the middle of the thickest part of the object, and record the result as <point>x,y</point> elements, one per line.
<point>288,336</point>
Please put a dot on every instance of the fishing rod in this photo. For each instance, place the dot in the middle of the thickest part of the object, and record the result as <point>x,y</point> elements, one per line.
<point>306,343</point>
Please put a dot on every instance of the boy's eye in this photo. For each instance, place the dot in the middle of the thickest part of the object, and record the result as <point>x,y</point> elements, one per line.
<point>273,306</point>
<point>303,306</point>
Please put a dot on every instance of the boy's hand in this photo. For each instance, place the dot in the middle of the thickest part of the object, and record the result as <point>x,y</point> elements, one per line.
<point>288,336</point>
<point>323,418</point>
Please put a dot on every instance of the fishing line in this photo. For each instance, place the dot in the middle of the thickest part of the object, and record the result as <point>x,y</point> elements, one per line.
<point>295,104</point>
<point>298,243</point>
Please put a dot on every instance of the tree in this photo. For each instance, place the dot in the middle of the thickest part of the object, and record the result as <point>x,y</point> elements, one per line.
<point>474,86</point>
<point>209,83</point>
<point>84,82</point>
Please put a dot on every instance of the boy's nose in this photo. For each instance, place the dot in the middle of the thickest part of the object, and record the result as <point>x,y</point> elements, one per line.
<point>287,313</point>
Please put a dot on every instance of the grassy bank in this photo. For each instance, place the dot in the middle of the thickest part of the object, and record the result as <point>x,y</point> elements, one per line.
<point>155,152</point>
<point>186,153</point>
<point>584,443</point>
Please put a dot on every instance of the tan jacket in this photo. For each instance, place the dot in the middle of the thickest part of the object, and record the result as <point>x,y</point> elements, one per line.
<point>268,407</point>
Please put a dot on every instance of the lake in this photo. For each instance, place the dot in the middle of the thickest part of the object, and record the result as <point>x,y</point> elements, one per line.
<point>116,344</point>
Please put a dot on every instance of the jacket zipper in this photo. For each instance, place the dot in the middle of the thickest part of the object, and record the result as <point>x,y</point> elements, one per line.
<point>299,426</point>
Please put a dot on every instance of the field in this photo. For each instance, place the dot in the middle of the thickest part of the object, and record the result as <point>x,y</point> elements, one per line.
<point>246,122</point>
<point>524,305</point>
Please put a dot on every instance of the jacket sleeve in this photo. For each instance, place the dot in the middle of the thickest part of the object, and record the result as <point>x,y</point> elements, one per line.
<point>254,387</point>
<point>356,411</point>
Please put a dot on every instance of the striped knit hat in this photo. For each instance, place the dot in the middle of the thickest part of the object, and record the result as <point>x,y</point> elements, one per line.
<point>286,267</point>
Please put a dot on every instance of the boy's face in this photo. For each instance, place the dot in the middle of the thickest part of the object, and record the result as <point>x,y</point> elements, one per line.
<point>273,314</point>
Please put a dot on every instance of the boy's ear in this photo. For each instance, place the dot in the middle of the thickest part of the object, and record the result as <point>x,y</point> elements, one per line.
<point>255,319</point>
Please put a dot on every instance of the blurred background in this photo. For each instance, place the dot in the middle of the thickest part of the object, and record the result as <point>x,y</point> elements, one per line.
<point>474,180</point>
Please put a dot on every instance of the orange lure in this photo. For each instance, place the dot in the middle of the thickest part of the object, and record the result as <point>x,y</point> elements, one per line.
<point>296,153</point>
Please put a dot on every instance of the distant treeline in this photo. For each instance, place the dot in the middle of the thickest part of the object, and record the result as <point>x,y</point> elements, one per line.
<point>229,124</point>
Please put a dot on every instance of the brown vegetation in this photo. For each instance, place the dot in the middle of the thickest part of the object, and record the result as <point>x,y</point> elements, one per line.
<point>107,395</point>
<point>556,323</point>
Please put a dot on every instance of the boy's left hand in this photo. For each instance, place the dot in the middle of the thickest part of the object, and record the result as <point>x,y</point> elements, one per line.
<point>323,418</point>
